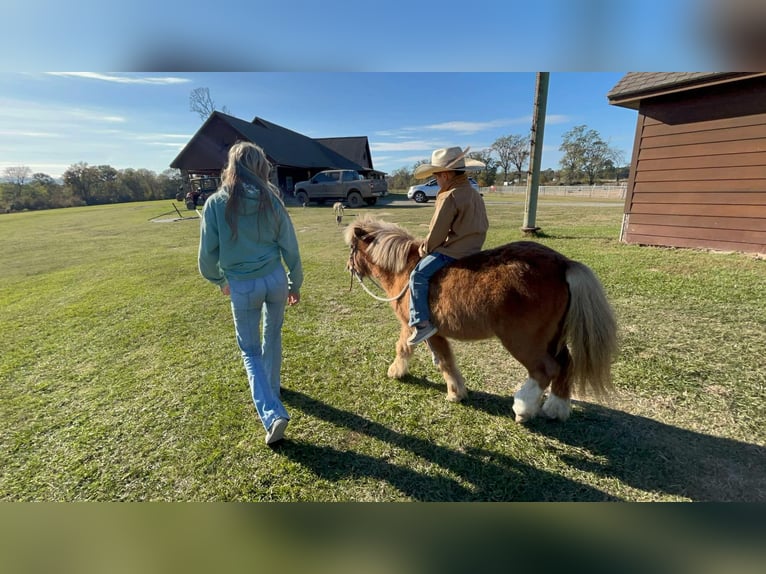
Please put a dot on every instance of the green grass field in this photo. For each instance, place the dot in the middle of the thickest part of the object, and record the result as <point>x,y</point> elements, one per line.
<point>121,380</point>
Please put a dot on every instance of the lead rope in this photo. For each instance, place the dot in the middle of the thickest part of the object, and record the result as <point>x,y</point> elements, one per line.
<point>371,294</point>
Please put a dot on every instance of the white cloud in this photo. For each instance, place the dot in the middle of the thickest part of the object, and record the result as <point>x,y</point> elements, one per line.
<point>29,134</point>
<point>557,119</point>
<point>23,112</point>
<point>184,137</point>
<point>176,145</point>
<point>469,127</point>
<point>464,127</point>
<point>165,80</point>
<point>413,158</point>
<point>52,169</point>
<point>411,145</point>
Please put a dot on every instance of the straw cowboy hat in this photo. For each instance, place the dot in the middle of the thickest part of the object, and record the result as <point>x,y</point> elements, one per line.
<point>447,159</point>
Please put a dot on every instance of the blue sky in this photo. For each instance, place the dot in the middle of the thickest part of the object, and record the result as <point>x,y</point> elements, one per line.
<point>49,121</point>
<point>374,35</point>
<point>411,76</point>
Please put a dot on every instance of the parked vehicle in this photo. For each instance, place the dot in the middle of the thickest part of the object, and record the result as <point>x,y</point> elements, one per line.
<point>199,189</point>
<point>428,190</point>
<point>341,185</point>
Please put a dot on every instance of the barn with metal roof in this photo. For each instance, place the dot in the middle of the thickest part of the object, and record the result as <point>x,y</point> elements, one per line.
<point>296,157</point>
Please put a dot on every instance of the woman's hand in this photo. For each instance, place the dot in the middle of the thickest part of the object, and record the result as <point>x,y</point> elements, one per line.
<point>226,290</point>
<point>293,298</point>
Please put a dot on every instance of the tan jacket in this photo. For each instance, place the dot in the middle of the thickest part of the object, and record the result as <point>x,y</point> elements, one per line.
<point>459,223</point>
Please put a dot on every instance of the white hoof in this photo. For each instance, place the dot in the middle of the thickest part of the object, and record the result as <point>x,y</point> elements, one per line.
<point>526,401</point>
<point>557,408</point>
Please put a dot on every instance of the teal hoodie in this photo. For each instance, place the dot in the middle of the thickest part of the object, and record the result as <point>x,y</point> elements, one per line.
<point>262,241</point>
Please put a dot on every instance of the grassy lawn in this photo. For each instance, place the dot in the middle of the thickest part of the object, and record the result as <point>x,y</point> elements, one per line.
<point>120,377</point>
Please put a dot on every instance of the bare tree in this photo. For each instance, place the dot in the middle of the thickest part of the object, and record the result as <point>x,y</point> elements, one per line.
<point>513,150</point>
<point>17,175</point>
<point>201,102</point>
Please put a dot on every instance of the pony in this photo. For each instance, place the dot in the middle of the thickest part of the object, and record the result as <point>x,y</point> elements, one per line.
<point>549,312</point>
<point>338,208</point>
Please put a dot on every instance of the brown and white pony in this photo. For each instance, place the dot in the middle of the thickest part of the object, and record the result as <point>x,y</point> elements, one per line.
<point>338,209</point>
<point>548,311</point>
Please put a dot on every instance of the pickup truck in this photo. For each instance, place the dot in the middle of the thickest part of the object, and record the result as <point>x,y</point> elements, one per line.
<point>341,185</point>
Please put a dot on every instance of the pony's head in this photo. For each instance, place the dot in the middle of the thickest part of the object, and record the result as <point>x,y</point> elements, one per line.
<point>377,244</point>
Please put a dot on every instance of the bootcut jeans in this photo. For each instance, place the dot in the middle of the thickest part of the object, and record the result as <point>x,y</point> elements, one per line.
<point>251,300</point>
<point>419,278</point>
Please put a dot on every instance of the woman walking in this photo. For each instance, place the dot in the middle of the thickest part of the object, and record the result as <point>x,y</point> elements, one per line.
<point>246,234</point>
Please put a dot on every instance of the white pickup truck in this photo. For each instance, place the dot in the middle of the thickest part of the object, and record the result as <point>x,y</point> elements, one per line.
<point>341,185</point>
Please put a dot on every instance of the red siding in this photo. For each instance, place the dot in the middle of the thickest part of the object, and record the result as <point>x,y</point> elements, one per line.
<point>698,177</point>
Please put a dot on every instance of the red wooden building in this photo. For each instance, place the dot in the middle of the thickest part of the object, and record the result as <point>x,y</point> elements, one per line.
<point>698,171</point>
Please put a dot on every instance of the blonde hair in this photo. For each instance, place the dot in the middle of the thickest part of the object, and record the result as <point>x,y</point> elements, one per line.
<point>248,164</point>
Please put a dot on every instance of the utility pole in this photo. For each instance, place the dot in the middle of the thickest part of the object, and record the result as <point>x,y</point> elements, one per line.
<point>535,153</point>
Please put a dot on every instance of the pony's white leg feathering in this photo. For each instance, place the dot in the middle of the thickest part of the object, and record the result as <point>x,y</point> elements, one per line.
<point>526,401</point>
<point>456,390</point>
<point>557,408</point>
<point>398,368</point>
<point>401,365</point>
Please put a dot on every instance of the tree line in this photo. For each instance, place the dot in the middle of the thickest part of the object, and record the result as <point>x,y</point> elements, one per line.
<point>83,184</point>
<point>586,159</point>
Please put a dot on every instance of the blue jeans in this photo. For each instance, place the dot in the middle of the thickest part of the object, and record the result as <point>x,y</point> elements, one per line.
<point>419,279</point>
<point>252,299</point>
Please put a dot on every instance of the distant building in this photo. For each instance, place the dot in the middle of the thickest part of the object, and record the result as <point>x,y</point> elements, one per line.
<point>296,157</point>
<point>698,171</point>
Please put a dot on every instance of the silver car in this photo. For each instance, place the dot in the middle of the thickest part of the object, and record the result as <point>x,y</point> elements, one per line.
<point>428,190</point>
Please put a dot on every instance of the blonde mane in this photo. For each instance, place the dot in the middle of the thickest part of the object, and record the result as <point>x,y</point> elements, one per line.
<point>389,246</point>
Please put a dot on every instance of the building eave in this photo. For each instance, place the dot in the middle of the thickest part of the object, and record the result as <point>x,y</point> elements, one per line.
<point>632,98</point>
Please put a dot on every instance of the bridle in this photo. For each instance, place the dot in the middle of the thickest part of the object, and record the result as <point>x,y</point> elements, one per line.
<point>351,266</point>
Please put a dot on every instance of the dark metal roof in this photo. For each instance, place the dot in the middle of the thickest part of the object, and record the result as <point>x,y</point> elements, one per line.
<point>635,86</point>
<point>284,147</point>
<point>357,149</point>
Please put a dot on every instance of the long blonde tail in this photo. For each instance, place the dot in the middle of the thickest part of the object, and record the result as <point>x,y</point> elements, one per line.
<point>590,331</point>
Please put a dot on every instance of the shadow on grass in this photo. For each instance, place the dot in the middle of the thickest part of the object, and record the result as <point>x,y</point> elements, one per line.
<point>491,475</point>
<point>641,452</point>
<point>657,457</point>
<point>496,405</point>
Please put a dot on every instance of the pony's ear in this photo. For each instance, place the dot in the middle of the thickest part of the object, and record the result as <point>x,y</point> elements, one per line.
<point>361,234</point>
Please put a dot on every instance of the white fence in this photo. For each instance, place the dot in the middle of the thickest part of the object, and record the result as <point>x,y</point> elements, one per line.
<point>597,191</point>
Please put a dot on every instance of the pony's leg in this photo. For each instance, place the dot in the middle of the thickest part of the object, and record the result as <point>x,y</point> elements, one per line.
<point>527,400</point>
<point>445,360</point>
<point>541,367</point>
<point>401,364</point>
<point>558,405</point>
<point>434,358</point>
